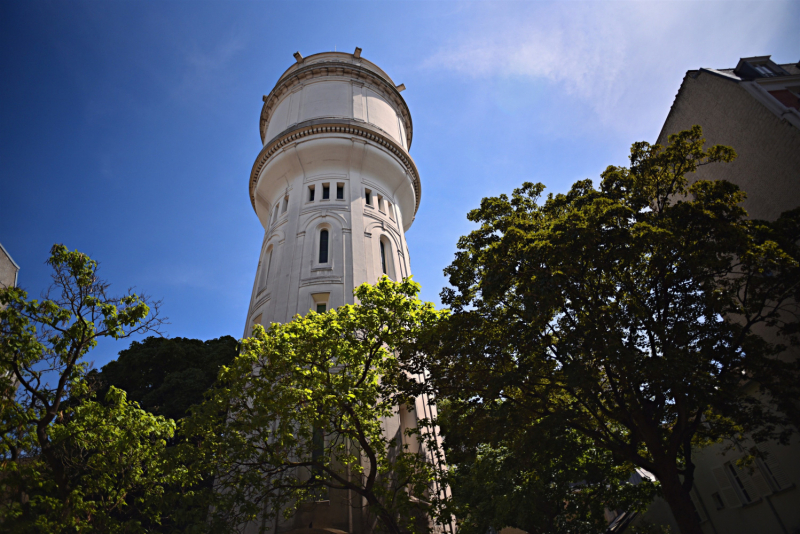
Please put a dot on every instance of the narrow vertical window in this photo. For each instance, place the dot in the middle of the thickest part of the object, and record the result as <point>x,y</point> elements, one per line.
<point>311,193</point>
<point>380,203</point>
<point>285,204</point>
<point>326,191</point>
<point>390,210</point>
<point>323,246</point>
<point>368,197</point>
<point>339,191</point>
<point>268,263</point>
<point>383,258</point>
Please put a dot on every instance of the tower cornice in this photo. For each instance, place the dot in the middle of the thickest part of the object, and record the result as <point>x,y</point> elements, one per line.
<point>328,127</point>
<point>334,68</point>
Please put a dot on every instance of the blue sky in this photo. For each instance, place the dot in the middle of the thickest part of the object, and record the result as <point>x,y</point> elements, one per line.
<point>129,128</point>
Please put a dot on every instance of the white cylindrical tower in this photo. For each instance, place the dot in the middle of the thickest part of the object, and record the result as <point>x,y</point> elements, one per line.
<point>335,190</point>
<point>333,187</point>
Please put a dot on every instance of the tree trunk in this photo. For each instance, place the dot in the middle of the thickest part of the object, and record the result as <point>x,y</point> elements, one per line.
<point>388,521</point>
<point>680,502</point>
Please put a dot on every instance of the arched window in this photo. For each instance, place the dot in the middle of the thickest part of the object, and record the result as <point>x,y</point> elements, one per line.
<point>266,265</point>
<point>387,257</point>
<point>323,246</point>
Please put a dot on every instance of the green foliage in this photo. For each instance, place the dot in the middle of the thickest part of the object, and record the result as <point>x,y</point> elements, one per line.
<point>167,376</point>
<point>539,477</point>
<point>306,403</point>
<point>71,462</point>
<point>630,312</point>
<point>112,455</point>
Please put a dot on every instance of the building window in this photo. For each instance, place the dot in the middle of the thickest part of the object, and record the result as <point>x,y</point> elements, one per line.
<point>267,264</point>
<point>764,70</point>
<point>387,258</point>
<point>339,191</point>
<point>326,191</point>
<point>276,211</point>
<point>368,196</point>
<point>320,302</point>
<point>285,204</point>
<point>747,497</point>
<point>256,320</point>
<point>390,210</point>
<point>380,203</point>
<point>323,246</point>
<point>311,193</point>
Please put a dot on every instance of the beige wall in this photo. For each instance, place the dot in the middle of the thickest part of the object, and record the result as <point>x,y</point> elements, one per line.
<point>8,269</point>
<point>768,148</point>
<point>768,169</point>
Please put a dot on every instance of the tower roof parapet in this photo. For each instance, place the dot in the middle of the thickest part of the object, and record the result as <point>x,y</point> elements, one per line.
<point>335,64</point>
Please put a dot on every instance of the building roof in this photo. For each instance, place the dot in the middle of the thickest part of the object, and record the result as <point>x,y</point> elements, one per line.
<point>764,80</point>
<point>4,271</point>
<point>3,249</point>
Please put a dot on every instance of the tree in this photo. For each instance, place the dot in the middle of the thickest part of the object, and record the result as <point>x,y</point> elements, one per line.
<point>632,312</point>
<point>536,476</point>
<point>167,376</point>
<point>306,405</point>
<point>71,462</point>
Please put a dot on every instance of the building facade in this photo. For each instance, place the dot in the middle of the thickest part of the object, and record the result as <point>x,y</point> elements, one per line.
<point>754,108</point>
<point>9,270</point>
<point>335,189</point>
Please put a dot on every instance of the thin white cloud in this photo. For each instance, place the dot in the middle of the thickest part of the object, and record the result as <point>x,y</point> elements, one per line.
<point>616,57</point>
<point>210,61</point>
<point>208,67</point>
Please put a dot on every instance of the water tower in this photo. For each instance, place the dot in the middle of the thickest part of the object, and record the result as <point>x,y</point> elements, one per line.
<point>335,190</point>
<point>334,186</point>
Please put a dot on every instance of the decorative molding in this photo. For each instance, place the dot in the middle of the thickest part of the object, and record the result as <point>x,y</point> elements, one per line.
<point>332,207</point>
<point>319,281</point>
<point>334,126</point>
<point>334,68</point>
<point>385,223</point>
<point>325,176</point>
<point>263,300</point>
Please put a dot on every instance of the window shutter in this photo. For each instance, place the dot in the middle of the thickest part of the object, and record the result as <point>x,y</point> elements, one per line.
<point>774,473</point>
<point>698,506</point>
<point>729,496</point>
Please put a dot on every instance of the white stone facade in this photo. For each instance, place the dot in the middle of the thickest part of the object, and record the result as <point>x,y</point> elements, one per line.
<point>334,169</point>
<point>335,163</point>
